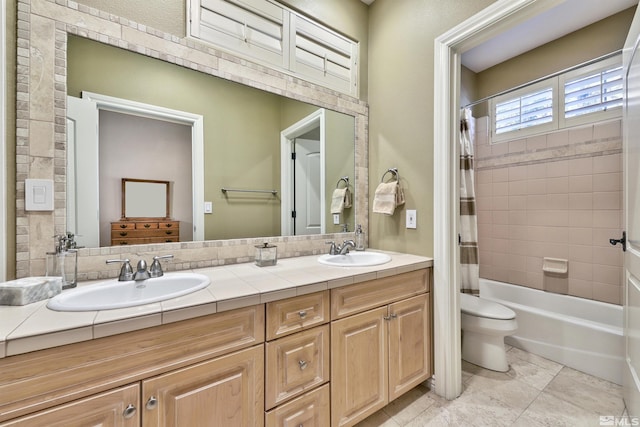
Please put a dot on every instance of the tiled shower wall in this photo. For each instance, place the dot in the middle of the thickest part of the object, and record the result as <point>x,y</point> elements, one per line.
<point>556,195</point>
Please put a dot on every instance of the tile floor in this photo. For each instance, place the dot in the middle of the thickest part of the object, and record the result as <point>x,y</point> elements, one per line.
<point>535,392</point>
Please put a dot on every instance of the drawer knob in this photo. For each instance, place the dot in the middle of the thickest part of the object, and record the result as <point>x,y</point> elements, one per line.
<point>151,403</point>
<point>123,225</point>
<point>302,364</point>
<point>302,314</point>
<point>169,232</point>
<point>123,233</point>
<point>169,225</point>
<point>147,225</point>
<point>129,411</point>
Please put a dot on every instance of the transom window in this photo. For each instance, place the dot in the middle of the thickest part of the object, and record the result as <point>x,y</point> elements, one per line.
<point>585,95</point>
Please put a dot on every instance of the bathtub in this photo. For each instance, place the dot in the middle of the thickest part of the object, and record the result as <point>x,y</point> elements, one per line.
<point>583,334</point>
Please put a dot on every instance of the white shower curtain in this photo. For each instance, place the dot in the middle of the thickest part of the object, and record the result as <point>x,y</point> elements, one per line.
<point>468,220</point>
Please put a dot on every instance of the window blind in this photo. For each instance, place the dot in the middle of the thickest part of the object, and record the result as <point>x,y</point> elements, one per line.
<point>600,91</point>
<point>534,108</point>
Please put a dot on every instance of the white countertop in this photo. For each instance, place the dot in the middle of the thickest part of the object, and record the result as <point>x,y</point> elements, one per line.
<point>36,327</point>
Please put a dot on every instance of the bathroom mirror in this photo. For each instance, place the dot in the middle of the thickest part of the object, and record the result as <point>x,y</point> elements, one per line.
<point>144,198</point>
<point>243,141</point>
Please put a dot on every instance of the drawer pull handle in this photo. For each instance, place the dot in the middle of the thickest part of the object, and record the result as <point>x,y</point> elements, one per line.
<point>302,314</point>
<point>151,403</point>
<point>147,225</point>
<point>169,225</point>
<point>169,232</point>
<point>129,411</point>
<point>123,225</point>
<point>123,233</point>
<point>302,364</point>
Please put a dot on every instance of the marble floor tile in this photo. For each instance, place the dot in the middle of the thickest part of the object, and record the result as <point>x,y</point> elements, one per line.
<point>535,392</point>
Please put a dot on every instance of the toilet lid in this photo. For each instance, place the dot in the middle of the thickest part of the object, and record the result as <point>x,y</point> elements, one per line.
<point>479,307</point>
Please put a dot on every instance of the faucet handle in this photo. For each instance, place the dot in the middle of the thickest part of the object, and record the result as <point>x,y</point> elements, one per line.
<point>333,250</point>
<point>126,272</point>
<point>156,268</point>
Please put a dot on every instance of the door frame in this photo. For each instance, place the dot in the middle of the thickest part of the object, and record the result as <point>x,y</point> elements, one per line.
<point>287,140</point>
<point>195,121</point>
<point>3,143</point>
<point>449,47</point>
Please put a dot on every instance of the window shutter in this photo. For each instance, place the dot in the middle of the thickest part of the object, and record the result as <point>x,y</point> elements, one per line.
<point>596,92</point>
<point>524,111</point>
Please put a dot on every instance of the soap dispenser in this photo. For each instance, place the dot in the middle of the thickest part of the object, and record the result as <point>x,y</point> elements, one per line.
<point>63,261</point>
<point>359,238</point>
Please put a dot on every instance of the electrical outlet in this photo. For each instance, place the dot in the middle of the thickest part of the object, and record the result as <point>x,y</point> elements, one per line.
<point>411,218</point>
<point>336,219</point>
<point>208,207</point>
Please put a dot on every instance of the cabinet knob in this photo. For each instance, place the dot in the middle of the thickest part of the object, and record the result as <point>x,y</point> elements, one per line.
<point>302,364</point>
<point>129,411</point>
<point>302,314</point>
<point>152,403</point>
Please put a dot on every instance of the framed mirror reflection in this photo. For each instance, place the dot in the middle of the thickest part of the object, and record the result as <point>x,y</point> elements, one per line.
<point>242,146</point>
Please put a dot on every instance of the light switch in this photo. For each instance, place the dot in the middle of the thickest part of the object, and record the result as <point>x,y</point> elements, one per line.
<point>38,194</point>
<point>411,218</point>
<point>208,207</point>
<point>336,219</point>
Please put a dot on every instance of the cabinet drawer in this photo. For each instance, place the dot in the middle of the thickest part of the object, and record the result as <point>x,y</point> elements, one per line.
<point>146,225</point>
<point>123,226</point>
<point>291,315</point>
<point>295,364</point>
<point>169,225</point>
<point>310,409</point>
<point>357,298</point>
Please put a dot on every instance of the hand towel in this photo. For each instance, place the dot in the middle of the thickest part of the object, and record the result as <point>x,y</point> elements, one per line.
<point>340,200</point>
<point>384,200</point>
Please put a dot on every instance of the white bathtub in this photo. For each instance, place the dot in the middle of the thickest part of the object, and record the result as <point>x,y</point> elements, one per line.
<point>583,334</point>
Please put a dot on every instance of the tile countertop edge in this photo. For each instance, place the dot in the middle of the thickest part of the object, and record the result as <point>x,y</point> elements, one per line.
<point>250,295</point>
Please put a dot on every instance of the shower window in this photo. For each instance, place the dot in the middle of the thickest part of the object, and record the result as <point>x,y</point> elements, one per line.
<point>584,95</point>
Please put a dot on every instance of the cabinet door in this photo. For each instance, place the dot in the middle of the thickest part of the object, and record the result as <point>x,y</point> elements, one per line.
<point>226,391</point>
<point>359,366</point>
<point>409,344</point>
<point>115,408</point>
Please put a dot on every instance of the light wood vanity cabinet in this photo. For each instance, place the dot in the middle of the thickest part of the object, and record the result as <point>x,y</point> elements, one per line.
<point>330,358</point>
<point>210,367</point>
<point>378,353</point>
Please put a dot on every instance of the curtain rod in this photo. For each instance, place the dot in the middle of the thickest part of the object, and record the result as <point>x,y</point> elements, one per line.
<point>557,73</point>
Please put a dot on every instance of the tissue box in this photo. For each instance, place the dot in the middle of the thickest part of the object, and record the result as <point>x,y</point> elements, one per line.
<point>28,290</point>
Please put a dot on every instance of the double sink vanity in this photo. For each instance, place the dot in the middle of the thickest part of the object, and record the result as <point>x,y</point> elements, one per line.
<point>324,340</point>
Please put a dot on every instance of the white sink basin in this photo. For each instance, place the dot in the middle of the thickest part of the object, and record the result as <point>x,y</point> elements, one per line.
<point>114,294</point>
<point>355,259</point>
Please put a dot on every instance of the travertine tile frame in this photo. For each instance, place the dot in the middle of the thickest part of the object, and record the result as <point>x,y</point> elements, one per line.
<point>42,28</point>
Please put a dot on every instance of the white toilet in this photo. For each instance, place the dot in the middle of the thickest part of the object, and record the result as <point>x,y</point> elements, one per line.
<point>484,325</point>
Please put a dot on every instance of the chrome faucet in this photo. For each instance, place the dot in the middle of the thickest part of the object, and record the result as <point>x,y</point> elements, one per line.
<point>141,273</point>
<point>344,249</point>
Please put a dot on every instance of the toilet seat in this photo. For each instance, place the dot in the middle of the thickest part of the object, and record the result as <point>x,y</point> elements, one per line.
<point>479,307</point>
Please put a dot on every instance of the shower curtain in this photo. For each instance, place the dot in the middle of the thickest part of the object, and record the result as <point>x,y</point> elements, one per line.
<point>469,268</point>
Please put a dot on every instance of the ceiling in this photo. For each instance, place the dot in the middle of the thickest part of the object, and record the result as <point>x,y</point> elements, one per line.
<point>569,16</point>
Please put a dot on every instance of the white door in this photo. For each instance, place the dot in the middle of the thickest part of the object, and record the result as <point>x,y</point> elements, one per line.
<point>83,216</point>
<point>307,174</point>
<point>631,168</point>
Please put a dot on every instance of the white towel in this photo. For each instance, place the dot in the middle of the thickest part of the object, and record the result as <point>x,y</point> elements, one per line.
<point>340,200</point>
<point>385,198</point>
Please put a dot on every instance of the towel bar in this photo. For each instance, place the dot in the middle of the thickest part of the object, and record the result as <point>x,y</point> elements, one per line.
<point>225,190</point>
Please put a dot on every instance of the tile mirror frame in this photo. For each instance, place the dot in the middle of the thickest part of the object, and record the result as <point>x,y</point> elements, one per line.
<point>42,29</point>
